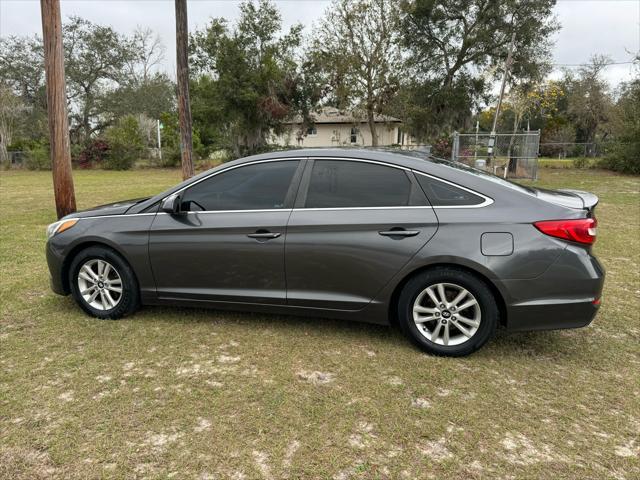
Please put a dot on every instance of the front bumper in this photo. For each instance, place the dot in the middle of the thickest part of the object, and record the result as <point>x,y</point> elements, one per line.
<point>55,261</point>
<point>565,296</point>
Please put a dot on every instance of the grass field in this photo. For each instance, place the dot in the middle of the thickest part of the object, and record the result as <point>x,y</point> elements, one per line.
<point>177,393</point>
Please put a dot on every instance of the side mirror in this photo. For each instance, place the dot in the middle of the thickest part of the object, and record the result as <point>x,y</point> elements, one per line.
<point>171,205</point>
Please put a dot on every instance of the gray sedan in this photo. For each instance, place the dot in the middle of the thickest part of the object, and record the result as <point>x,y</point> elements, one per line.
<point>447,252</point>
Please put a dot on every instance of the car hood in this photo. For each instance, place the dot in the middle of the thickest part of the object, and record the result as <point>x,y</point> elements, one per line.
<point>117,208</point>
<point>567,198</point>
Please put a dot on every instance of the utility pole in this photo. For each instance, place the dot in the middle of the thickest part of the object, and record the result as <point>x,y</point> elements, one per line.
<point>57,108</point>
<point>184,108</point>
<point>505,75</point>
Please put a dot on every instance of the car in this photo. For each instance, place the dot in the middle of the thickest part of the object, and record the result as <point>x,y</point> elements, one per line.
<point>447,252</point>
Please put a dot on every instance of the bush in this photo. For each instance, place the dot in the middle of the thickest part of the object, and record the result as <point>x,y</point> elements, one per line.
<point>623,158</point>
<point>93,154</point>
<point>37,158</point>
<point>580,162</point>
<point>125,144</point>
<point>624,155</point>
<point>171,157</point>
<point>442,147</point>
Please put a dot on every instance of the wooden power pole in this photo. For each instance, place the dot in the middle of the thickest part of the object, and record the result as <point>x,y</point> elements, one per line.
<point>57,108</point>
<point>184,108</point>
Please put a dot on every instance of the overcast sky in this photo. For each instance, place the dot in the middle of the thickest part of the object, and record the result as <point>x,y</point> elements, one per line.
<point>610,27</point>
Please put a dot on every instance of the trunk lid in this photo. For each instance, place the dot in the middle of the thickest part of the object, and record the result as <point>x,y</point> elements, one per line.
<point>567,198</point>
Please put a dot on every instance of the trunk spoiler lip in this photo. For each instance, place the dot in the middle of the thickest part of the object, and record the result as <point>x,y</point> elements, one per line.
<point>589,200</point>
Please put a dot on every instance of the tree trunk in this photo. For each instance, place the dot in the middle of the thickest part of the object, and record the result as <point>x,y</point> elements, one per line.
<point>184,108</point>
<point>371,120</point>
<point>5,141</point>
<point>57,108</point>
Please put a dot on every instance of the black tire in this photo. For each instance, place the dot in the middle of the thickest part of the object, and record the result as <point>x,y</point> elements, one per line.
<point>128,301</point>
<point>478,288</point>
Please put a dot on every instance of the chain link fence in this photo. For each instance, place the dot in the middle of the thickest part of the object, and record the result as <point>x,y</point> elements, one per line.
<point>515,155</point>
<point>562,150</point>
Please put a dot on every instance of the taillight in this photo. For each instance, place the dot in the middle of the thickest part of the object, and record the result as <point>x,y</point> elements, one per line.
<point>582,230</point>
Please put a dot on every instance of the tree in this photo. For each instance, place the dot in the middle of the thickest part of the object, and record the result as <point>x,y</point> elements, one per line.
<point>12,111</point>
<point>450,42</point>
<point>589,102</point>
<point>148,53</point>
<point>248,81</point>
<point>96,58</point>
<point>625,153</point>
<point>108,75</point>
<point>22,72</point>
<point>152,97</point>
<point>357,45</point>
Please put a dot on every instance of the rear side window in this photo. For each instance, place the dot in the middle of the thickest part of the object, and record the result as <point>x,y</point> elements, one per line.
<point>254,187</point>
<point>337,183</point>
<point>442,194</point>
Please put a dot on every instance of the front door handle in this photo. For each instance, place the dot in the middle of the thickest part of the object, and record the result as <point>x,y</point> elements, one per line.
<point>264,235</point>
<point>399,232</point>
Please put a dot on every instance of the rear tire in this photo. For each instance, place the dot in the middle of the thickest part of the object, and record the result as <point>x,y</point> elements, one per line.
<point>456,325</point>
<point>103,284</point>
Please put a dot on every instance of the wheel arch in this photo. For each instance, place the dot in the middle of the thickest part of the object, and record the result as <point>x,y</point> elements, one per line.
<point>498,295</point>
<point>79,247</point>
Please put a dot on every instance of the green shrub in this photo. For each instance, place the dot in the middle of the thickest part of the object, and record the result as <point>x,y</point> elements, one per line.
<point>37,158</point>
<point>624,158</point>
<point>580,162</point>
<point>125,144</point>
<point>171,158</point>
<point>624,154</point>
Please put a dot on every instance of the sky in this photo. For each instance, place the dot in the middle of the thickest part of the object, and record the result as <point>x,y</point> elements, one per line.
<point>610,27</point>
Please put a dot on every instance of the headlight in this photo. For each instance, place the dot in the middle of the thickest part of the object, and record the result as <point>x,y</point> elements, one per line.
<point>60,226</point>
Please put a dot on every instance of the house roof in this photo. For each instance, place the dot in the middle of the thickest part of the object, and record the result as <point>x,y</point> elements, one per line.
<point>333,115</point>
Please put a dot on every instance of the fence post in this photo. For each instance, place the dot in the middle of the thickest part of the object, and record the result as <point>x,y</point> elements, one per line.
<point>454,147</point>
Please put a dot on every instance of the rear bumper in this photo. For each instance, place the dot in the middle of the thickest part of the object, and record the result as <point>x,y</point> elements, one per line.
<point>551,315</point>
<point>565,296</point>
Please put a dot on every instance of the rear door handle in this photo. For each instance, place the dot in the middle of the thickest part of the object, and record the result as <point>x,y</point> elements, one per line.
<point>263,234</point>
<point>401,232</point>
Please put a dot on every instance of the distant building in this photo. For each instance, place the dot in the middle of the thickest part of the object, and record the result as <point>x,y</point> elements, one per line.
<point>333,128</point>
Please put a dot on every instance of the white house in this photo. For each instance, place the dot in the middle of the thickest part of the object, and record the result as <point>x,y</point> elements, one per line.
<point>333,128</point>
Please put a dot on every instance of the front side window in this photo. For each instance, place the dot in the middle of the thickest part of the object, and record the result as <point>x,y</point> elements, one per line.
<point>337,184</point>
<point>442,194</point>
<point>260,186</point>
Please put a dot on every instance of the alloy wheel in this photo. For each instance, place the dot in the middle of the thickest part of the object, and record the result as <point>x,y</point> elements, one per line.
<point>447,314</point>
<point>99,284</point>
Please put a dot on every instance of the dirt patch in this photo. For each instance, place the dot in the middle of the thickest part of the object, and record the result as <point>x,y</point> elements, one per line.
<point>25,464</point>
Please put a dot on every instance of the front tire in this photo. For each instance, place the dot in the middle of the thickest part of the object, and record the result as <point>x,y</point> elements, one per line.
<point>447,312</point>
<point>103,284</point>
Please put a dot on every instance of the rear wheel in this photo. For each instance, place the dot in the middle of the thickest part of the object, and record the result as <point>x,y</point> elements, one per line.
<point>446,311</point>
<point>103,284</point>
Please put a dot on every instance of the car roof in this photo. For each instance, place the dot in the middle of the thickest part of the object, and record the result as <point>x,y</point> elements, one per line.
<point>405,158</point>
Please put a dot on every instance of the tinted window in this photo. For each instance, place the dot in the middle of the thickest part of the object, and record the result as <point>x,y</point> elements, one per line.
<point>442,194</point>
<point>357,184</point>
<point>258,186</point>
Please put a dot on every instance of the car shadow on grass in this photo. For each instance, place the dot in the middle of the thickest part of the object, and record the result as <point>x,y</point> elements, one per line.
<point>544,344</point>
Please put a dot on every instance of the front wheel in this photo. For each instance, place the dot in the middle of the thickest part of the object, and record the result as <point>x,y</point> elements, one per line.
<point>446,311</point>
<point>103,284</point>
